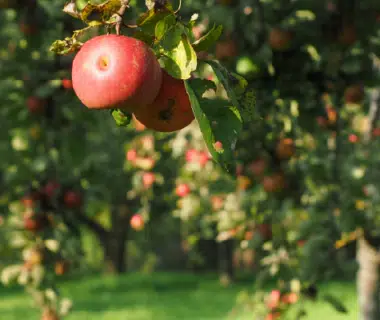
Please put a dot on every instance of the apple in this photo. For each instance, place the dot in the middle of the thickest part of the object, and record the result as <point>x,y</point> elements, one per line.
<point>274,182</point>
<point>131,155</point>
<point>354,94</point>
<point>290,298</point>
<point>51,188</point>
<point>274,299</point>
<point>33,222</point>
<point>280,39</point>
<point>148,179</point>
<point>203,158</point>
<point>115,71</point>
<point>347,35</point>
<point>61,267</point>
<point>191,155</point>
<point>285,149</point>
<point>265,231</point>
<point>217,203</point>
<point>28,28</point>
<point>376,132</point>
<point>353,138</point>
<point>49,314</point>
<point>36,105</point>
<point>273,316</point>
<point>257,167</point>
<point>226,49</point>
<point>67,83</point>
<point>72,199</point>
<point>137,222</point>
<point>182,190</point>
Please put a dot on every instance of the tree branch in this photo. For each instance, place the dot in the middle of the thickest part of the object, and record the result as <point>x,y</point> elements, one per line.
<point>92,225</point>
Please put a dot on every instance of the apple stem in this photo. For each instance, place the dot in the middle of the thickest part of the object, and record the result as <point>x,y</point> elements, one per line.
<point>119,15</point>
<point>179,7</point>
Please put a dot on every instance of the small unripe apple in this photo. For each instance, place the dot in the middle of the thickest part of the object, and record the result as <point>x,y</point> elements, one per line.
<point>182,190</point>
<point>116,72</point>
<point>137,222</point>
<point>148,179</point>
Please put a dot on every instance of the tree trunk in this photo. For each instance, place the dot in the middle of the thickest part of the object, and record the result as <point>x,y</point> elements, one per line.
<point>115,241</point>
<point>368,259</point>
<point>114,247</point>
<point>226,266</point>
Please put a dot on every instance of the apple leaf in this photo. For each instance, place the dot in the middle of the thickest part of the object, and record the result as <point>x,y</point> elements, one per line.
<point>181,60</point>
<point>237,90</point>
<point>66,46</point>
<point>218,121</point>
<point>69,45</point>
<point>163,26</point>
<point>122,119</point>
<point>147,21</point>
<point>205,42</point>
<point>99,14</point>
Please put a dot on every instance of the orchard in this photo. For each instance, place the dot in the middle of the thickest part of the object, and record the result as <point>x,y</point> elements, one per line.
<point>230,145</point>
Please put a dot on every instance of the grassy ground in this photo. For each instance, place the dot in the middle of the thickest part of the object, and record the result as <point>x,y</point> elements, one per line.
<point>160,297</point>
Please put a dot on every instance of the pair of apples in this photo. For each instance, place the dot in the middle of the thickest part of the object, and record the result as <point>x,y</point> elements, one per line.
<point>120,72</point>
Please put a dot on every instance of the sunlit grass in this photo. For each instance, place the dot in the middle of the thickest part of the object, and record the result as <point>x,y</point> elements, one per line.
<point>163,296</point>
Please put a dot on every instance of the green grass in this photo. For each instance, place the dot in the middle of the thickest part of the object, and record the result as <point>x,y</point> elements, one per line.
<point>163,296</point>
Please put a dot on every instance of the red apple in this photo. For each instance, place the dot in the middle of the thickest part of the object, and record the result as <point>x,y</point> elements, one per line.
<point>72,199</point>
<point>274,299</point>
<point>353,138</point>
<point>182,190</point>
<point>51,188</point>
<point>131,155</point>
<point>137,222</point>
<point>115,71</point>
<point>203,158</point>
<point>148,179</point>
<point>217,203</point>
<point>191,155</point>
<point>67,83</point>
<point>258,167</point>
<point>35,104</point>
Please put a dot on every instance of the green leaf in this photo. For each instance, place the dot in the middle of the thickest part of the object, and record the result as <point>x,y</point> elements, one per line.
<point>100,13</point>
<point>122,119</point>
<point>237,90</point>
<point>163,26</point>
<point>205,42</point>
<point>337,304</point>
<point>218,121</point>
<point>66,46</point>
<point>181,61</point>
<point>148,20</point>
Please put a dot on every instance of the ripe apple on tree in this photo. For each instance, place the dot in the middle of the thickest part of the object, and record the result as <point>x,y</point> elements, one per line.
<point>116,72</point>
<point>137,222</point>
<point>171,110</point>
